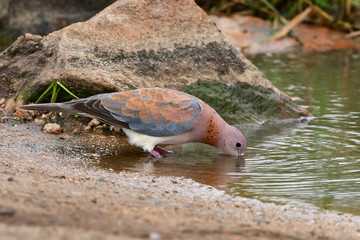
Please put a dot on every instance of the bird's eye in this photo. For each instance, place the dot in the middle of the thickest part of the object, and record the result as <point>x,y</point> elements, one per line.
<point>238,144</point>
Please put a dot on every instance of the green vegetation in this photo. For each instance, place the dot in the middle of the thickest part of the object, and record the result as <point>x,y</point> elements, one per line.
<point>54,90</point>
<point>334,13</point>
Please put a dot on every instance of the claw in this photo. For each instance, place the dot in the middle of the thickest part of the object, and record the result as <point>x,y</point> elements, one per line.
<point>162,151</point>
<point>156,154</point>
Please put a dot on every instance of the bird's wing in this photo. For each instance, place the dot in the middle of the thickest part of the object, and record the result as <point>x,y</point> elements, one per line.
<point>153,111</point>
<point>92,107</point>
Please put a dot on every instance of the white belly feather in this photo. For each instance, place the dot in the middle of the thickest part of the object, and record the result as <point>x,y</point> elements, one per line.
<point>149,142</point>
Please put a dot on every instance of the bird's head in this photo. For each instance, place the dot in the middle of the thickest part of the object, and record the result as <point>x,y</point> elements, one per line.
<point>231,142</point>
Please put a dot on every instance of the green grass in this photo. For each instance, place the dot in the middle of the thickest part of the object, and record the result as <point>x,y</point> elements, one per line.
<point>54,90</point>
<point>333,13</point>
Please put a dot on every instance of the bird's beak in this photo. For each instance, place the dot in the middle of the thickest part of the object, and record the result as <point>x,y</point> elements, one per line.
<point>239,153</point>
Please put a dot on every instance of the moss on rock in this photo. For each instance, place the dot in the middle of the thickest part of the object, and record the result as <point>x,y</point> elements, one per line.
<point>243,102</point>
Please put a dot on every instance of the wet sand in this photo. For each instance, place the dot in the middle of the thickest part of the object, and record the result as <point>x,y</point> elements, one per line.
<point>47,193</point>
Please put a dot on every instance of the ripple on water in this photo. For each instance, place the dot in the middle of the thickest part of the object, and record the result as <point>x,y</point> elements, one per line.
<point>317,164</point>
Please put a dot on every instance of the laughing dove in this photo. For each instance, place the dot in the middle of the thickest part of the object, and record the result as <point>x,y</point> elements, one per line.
<point>153,116</point>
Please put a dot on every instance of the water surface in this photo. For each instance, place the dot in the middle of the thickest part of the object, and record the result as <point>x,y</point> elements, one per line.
<point>316,163</point>
<point>313,164</point>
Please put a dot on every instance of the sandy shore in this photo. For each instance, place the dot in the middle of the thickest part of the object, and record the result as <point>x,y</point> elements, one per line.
<point>50,194</point>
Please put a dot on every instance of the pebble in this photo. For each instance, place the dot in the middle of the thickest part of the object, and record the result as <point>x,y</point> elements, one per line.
<point>44,154</point>
<point>100,128</point>
<point>77,129</point>
<point>46,117</point>
<point>4,119</point>
<point>154,235</point>
<point>22,115</point>
<point>94,122</point>
<point>40,122</point>
<point>115,128</point>
<point>2,102</point>
<point>52,128</point>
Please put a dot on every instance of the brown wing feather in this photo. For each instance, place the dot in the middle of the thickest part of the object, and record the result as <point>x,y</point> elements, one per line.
<point>154,111</point>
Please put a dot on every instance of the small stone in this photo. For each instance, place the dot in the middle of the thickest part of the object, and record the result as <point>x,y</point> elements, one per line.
<point>4,119</point>
<point>10,179</point>
<point>115,128</point>
<point>43,154</point>
<point>61,177</point>
<point>46,117</point>
<point>52,128</point>
<point>94,122</point>
<point>2,102</point>
<point>22,115</point>
<point>101,126</point>
<point>73,179</point>
<point>154,235</point>
<point>10,105</point>
<point>77,129</point>
<point>39,122</point>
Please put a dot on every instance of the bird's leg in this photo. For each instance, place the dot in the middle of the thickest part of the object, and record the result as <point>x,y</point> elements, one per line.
<point>162,151</point>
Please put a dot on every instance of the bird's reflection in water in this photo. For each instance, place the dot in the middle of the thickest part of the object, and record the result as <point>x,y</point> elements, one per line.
<point>199,162</point>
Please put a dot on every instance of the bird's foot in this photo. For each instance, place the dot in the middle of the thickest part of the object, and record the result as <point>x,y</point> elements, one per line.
<point>157,155</point>
<point>162,151</point>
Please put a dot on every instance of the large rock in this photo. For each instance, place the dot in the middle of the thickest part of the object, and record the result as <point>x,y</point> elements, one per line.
<point>135,44</point>
<point>45,16</point>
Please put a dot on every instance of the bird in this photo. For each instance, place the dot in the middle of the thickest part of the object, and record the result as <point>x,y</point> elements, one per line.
<point>156,116</point>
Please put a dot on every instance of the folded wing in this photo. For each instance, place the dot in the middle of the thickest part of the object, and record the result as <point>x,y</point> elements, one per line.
<point>154,111</point>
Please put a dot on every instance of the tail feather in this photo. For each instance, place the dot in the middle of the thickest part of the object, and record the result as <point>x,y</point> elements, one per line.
<point>89,107</point>
<point>52,107</point>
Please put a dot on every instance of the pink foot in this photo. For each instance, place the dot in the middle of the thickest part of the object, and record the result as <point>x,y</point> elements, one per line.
<point>162,151</point>
<point>156,154</point>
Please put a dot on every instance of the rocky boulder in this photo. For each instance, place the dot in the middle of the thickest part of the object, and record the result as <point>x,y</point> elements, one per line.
<point>45,16</point>
<point>136,44</point>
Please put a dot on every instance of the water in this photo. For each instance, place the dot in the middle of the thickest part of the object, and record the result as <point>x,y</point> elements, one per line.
<point>312,164</point>
<point>316,163</point>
